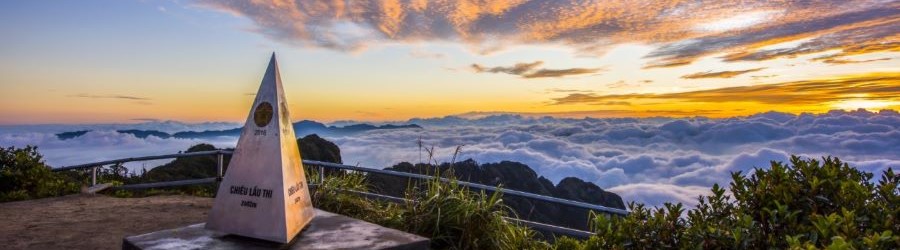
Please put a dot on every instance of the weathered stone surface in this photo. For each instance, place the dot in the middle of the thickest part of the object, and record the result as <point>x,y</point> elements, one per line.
<point>264,194</point>
<point>325,231</point>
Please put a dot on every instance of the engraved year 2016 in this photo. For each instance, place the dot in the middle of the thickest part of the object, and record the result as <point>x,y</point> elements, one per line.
<point>259,132</point>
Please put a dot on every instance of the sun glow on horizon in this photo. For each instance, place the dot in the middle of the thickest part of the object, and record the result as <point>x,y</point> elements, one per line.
<point>91,61</point>
<point>867,104</point>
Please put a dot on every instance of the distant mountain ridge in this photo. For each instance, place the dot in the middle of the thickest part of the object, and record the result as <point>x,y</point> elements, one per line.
<point>301,128</point>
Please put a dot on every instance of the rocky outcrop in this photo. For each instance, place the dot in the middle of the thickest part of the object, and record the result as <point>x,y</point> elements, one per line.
<point>512,176</point>
<point>313,147</point>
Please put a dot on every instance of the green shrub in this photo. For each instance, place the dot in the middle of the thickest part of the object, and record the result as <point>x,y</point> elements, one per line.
<point>457,218</point>
<point>806,205</point>
<point>333,195</point>
<point>451,215</point>
<point>23,175</point>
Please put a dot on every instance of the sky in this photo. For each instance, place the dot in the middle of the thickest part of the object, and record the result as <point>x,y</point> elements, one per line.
<point>653,100</point>
<point>104,61</point>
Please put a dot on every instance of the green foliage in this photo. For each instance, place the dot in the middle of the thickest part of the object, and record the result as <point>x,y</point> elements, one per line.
<point>335,195</point>
<point>451,215</point>
<point>805,205</point>
<point>808,204</point>
<point>23,175</point>
<point>455,217</point>
<point>514,176</point>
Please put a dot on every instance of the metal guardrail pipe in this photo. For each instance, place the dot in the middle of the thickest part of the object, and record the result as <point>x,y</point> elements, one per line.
<point>367,195</point>
<point>143,158</point>
<point>168,183</point>
<point>94,176</point>
<point>532,224</point>
<point>220,160</point>
<point>475,185</point>
<point>321,167</point>
<point>371,170</point>
<point>552,228</point>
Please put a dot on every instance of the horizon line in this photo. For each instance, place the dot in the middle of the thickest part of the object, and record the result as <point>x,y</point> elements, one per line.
<point>472,115</point>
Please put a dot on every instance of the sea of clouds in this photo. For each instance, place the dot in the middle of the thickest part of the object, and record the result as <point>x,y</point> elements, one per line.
<point>649,160</point>
<point>652,160</point>
<point>104,143</point>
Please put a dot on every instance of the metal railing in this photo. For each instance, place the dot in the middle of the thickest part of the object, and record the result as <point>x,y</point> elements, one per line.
<point>321,169</point>
<point>95,165</point>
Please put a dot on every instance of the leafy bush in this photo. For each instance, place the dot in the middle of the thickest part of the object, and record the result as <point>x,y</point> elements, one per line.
<point>455,217</point>
<point>332,195</point>
<point>23,175</point>
<point>806,205</point>
<point>451,215</point>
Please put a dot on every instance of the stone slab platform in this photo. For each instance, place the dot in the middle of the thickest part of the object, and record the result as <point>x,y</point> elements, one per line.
<point>325,231</point>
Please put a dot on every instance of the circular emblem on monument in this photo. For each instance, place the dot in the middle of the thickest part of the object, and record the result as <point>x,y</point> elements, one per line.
<point>263,114</point>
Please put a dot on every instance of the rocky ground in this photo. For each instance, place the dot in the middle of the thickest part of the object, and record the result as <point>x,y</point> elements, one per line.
<point>86,221</point>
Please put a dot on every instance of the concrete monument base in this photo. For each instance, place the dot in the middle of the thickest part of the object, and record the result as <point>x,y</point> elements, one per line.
<point>325,231</point>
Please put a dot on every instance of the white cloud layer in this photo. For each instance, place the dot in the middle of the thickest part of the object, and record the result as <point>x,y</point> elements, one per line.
<point>103,143</point>
<point>651,160</point>
<point>647,160</point>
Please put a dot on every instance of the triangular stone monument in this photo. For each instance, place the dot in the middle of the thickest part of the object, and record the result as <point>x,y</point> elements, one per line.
<point>264,194</point>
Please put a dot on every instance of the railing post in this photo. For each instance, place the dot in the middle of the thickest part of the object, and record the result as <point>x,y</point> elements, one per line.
<point>321,174</point>
<point>220,163</point>
<point>94,176</point>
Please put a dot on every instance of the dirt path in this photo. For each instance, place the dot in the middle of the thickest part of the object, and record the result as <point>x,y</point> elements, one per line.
<point>93,221</point>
